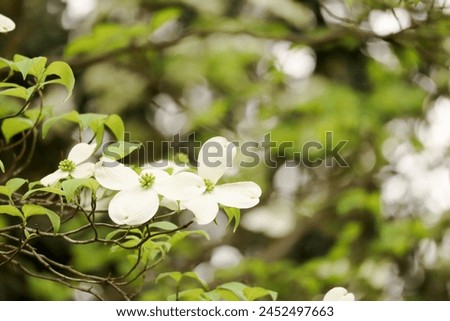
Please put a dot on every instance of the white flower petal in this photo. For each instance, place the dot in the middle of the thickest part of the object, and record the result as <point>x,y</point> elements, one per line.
<point>83,170</point>
<point>6,24</point>
<point>116,176</point>
<point>215,157</point>
<point>81,152</point>
<point>171,204</point>
<point>339,294</point>
<point>168,166</point>
<point>204,207</point>
<point>239,195</point>
<point>54,177</point>
<point>182,186</point>
<point>133,207</point>
<point>157,173</point>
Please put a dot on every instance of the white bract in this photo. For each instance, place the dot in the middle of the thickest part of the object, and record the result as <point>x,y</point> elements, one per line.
<point>137,200</point>
<point>339,294</point>
<point>215,157</point>
<point>74,166</point>
<point>6,24</point>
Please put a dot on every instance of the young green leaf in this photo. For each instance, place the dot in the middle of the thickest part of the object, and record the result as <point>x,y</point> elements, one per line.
<point>14,126</point>
<point>70,186</point>
<point>176,276</point>
<point>254,293</point>
<point>194,276</point>
<point>119,150</point>
<point>73,117</point>
<point>2,166</point>
<point>166,226</point>
<point>50,190</point>
<point>236,288</point>
<point>65,74</point>
<point>32,209</point>
<point>19,92</point>
<point>115,124</point>
<point>11,210</point>
<point>15,183</point>
<point>233,213</point>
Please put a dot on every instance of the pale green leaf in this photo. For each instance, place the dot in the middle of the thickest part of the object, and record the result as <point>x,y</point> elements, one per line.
<point>163,16</point>
<point>2,166</point>
<point>70,186</point>
<point>10,210</point>
<point>193,275</point>
<point>115,124</point>
<point>92,120</point>
<point>5,190</point>
<point>119,150</point>
<point>73,117</point>
<point>236,288</point>
<point>187,295</point>
<point>254,293</point>
<point>176,276</point>
<point>65,74</point>
<point>33,209</point>
<point>14,126</point>
<point>164,225</point>
<point>233,214</point>
<point>15,183</point>
<point>18,92</point>
<point>50,190</point>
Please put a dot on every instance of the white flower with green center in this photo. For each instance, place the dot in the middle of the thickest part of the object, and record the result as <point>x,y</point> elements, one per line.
<point>215,157</point>
<point>339,294</point>
<point>74,166</point>
<point>137,200</point>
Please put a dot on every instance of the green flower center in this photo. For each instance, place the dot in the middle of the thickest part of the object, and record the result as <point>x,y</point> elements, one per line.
<point>146,180</point>
<point>209,185</point>
<point>66,165</point>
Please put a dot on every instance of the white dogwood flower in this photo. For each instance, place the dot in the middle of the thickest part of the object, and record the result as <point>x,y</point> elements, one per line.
<point>339,294</point>
<point>74,166</point>
<point>215,157</point>
<point>137,200</point>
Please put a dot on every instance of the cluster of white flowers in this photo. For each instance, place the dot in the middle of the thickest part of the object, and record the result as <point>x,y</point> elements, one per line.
<point>141,192</point>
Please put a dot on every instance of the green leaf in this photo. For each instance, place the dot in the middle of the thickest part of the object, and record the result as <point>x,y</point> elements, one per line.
<point>254,293</point>
<point>111,235</point>
<point>163,16</point>
<point>92,120</point>
<point>187,295</point>
<point>236,288</point>
<point>164,225</point>
<point>233,213</point>
<point>119,150</point>
<point>180,235</point>
<point>193,275</point>
<point>19,92</point>
<point>50,190</point>
<point>2,166</point>
<point>11,210</point>
<point>73,116</point>
<point>33,66</point>
<point>65,74</point>
<point>115,124</point>
<point>32,210</point>
<point>14,126</point>
<point>176,276</point>
<point>70,186</point>
<point>15,183</point>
